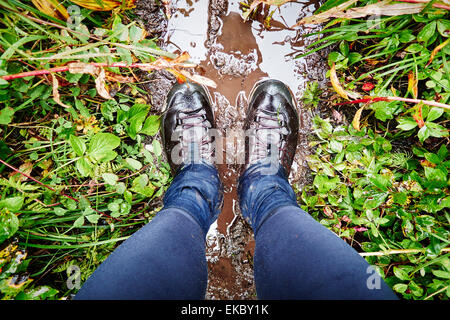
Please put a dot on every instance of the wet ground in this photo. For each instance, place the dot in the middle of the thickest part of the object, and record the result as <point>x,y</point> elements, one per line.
<point>236,54</point>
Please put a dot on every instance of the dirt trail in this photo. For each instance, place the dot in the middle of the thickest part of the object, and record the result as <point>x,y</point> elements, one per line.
<point>236,54</point>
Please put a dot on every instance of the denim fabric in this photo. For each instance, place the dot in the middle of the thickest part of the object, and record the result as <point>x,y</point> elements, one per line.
<point>295,256</point>
<point>263,187</point>
<point>197,190</point>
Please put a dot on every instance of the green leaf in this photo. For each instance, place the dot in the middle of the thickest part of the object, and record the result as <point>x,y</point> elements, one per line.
<point>325,184</point>
<point>110,178</point>
<point>13,204</point>
<point>77,145</point>
<point>101,146</point>
<point>9,224</point>
<point>427,32</point>
<point>93,218</point>
<point>434,113</point>
<point>401,274</point>
<point>406,36</point>
<point>386,110</point>
<point>407,123</point>
<point>138,108</point>
<point>400,287</point>
<point>157,150</point>
<point>435,174</point>
<point>322,127</point>
<point>83,167</point>
<point>79,222</point>
<point>59,211</point>
<point>380,181</point>
<point>121,188</point>
<point>433,158</point>
<point>136,165</point>
<point>415,289</point>
<point>423,133</point>
<point>37,293</point>
<point>136,123</point>
<point>6,115</point>
<point>443,26</point>
<point>436,130</point>
<point>336,146</point>
<point>141,185</point>
<point>414,48</point>
<point>375,200</point>
<point>441,274</point>
<point>151,125</point>
<point>136,33</point>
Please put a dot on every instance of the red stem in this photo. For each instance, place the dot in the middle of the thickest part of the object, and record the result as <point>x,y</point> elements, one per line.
<point>66,68</point>
<point>416,101</point>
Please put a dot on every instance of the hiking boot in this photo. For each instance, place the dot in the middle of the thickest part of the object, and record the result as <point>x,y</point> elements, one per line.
<point>186,126</point>
<point>271,125</point>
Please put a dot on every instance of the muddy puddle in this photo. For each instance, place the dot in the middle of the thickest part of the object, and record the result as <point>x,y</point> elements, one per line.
<point>236,54</point>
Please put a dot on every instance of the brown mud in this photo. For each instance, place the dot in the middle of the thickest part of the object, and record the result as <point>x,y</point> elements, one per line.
<point>237,54</point>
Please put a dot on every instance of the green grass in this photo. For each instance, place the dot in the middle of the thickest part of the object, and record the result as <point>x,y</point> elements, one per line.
<point>98,184</point>
<point>384,188</point>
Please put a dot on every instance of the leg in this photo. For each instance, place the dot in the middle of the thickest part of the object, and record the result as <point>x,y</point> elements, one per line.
<point>295,256</point>
<point>166,258</point>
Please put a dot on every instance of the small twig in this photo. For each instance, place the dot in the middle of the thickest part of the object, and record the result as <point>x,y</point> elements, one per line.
<point>439,291</point>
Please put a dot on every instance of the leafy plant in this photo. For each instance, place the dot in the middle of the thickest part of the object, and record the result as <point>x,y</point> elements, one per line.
<point>380,200</point>
<point>82,167</point>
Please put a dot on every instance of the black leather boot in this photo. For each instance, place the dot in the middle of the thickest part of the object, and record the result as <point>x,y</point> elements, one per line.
<point>271,125</point>
<point>186,126</point>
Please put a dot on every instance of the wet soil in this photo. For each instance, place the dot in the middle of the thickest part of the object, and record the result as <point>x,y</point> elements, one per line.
<point>236,54</point>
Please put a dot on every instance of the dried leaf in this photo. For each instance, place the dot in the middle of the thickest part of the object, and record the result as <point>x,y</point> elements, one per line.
<point>25,168</point>
<point>52,8</point>
<point>256,3</point>
<point>167,7</point>
<point>412,84</point>
<point>338,88</point>
<point>81,67</point>
<point>436,50</point>
<point>180,78</point>
<point>105,5</point>
<point>56,96</point>
<point>199,79</point>
<point>100,85</point>
<point>335,83</point>
<point>111,76</point>
<point>381,8</point>
<point>357,119</point>
<point>183,57</point>
<point>418,116</point>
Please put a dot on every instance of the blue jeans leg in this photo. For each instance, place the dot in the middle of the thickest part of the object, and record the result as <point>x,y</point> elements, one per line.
<point>166,258</point>
<point>295,256</point>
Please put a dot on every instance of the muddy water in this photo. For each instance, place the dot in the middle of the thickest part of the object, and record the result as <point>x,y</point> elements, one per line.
<point>236,54</point>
